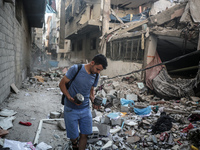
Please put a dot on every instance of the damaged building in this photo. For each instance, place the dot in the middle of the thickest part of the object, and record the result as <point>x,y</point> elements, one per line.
<point>148,95</point>
<point>135,35</point>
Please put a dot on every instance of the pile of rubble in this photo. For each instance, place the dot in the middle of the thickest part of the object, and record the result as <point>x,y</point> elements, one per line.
<point>132,117</point>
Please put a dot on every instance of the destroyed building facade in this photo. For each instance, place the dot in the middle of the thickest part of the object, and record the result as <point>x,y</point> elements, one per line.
<point>131,33</point>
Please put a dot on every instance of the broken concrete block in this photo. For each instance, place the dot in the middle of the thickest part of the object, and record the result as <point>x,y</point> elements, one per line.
<point>130,132</point>
<point>105,120</point>
<point>107,89</point>
<point>14,88</point>
<point>195,99</point>
<point>120,94</point>
<point>116,85</point>
<point>115,122</point>
<point>176,147</point>
<point>114,146</point>
<point>107,110</point>
<point>140,85</point>
<point>107,145</point>
<point>95,132</point>
<point>93,114</point>
<point>133,97</point>
<point>103,129</point>
<point>92,140</point>
<point>115,129</point>
<point>124,109</point>
<point>116,102</point>
<point>61,124</point>
<point>130,123</point>
<point>111,92</point>
<point>133,139</point>
<point>54,115</point>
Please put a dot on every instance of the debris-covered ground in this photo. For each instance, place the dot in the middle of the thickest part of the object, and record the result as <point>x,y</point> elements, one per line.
<point>131,116</point>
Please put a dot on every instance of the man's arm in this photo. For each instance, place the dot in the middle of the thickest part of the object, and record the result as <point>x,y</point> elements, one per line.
<point>63,88</point>
<point>92,94</point>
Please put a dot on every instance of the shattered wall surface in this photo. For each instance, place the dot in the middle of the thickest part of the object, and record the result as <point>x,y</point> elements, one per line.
<point>15,48</point>
<point>167,87</point>
<point>119,67</point>
<point>88,12</point>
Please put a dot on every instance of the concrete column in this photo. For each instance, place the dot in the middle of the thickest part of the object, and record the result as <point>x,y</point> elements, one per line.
<point>198,47</point>
<point>106,18</point>
<point>151,49</point>
<point>62,25</point>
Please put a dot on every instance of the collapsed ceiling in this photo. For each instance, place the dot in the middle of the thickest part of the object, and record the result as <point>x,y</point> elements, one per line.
<point>130,3</point>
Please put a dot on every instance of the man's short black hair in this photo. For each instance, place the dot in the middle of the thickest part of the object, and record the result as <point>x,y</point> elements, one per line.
<point>100,59</point>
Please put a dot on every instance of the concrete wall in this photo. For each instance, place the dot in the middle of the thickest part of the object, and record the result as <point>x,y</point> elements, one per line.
<point>86,53</point>
<point>15,46</point>
<point>119,68</point>
<point>83,17</point>
<point>38,37</point>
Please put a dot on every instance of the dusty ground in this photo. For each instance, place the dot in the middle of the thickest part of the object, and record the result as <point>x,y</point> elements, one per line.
<point>33,104</point>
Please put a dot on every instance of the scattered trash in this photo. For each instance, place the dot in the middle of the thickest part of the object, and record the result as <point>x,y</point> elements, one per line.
<point>43,146</point>
<point>143,111</point>
<point>25,123</point>
<point>6,123</point>
<point>16,145</point>
<point>164,123</point>
<point>7,113</point>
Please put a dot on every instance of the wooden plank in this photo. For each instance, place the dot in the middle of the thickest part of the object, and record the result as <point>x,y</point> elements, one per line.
<point>15,89</point>
<point>134,26</point>
<point>127,35</point>
<point>167,32</point>
<point>117,27</point>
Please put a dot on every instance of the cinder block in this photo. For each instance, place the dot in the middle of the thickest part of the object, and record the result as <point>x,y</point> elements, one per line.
<point>116,85</point>
<point>124,109</point>
<point>120,94</point>
<point>115,122</point>
<point>94,114</point>
<point>54,115</point>
<point>132,97</point>
<point>95,132</point>
<point>103,129</point>
<point>105,120</point>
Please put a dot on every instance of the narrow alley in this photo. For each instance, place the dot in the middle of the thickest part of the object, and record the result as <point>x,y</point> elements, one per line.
<point>148,86</point>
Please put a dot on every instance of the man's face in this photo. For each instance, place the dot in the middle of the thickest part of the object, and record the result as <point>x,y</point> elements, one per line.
<point>95,68</point>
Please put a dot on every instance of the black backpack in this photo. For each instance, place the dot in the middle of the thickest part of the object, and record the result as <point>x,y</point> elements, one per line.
<point>70,82</point>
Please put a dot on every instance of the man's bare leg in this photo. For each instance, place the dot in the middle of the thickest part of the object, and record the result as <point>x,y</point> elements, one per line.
<point>82,141</point>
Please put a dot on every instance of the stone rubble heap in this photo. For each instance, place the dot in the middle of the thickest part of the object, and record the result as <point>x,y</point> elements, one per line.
<point>132,117</point>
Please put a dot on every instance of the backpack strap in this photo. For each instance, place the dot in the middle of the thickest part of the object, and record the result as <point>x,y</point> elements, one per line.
<point>97,75</point>
<point>70,82</point>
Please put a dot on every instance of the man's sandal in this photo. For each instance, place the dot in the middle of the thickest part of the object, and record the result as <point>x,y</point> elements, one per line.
<point>75,145</point>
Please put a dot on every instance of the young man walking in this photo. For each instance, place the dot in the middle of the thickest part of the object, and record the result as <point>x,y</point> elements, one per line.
<point>78,116</point>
